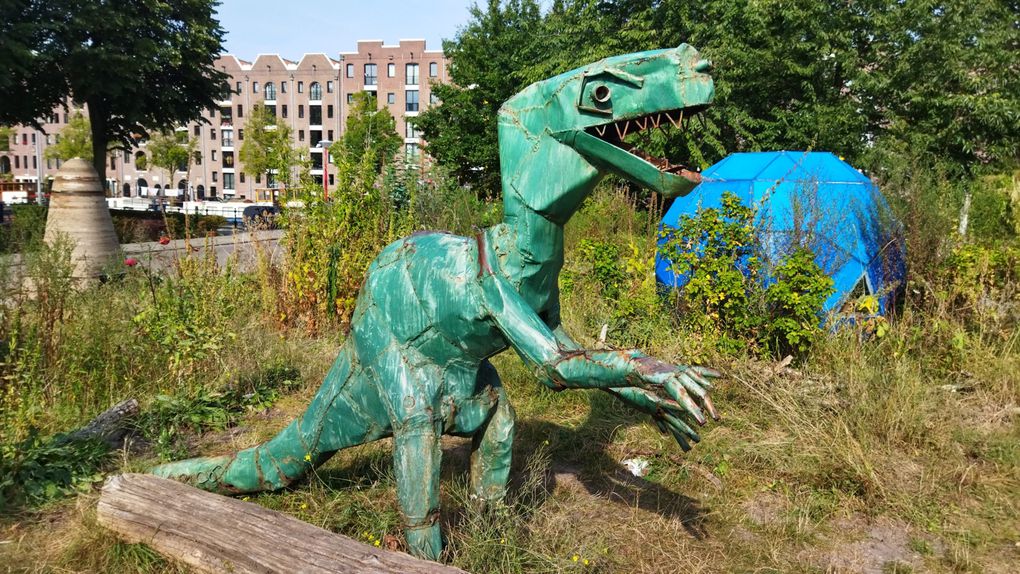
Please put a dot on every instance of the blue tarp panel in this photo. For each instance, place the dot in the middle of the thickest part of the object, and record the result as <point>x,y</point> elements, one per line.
<point>807,194</point>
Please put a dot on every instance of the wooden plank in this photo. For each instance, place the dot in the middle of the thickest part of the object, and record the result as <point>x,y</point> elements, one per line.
<point>217,534</point>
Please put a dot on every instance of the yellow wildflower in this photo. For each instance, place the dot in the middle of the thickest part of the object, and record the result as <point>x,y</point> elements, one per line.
<point>304,505</point>
<point>575,557</point>
<point>377,543</point>
<point>308,457</point>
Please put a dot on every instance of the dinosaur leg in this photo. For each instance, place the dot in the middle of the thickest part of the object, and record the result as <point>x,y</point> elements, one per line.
<point>340,415</point>
<point>411,386</point>
<point>492,442</point>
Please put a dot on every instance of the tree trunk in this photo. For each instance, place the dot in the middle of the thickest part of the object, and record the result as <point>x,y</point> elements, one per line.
<point>213,533</point>
<point>97,122</point>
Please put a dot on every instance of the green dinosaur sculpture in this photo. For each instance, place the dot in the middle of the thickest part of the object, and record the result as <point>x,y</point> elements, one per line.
<point>436,306</point>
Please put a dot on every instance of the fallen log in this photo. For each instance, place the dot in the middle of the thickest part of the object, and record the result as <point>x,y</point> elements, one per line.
<point>217,534</point>
<point>110,426</point>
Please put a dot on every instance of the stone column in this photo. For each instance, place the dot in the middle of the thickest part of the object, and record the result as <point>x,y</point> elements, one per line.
<point>78,211</point>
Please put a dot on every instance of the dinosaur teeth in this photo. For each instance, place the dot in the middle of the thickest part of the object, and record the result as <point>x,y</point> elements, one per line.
<point>641,123</point>
<point>601,130</point>
<point>655,119</point>
<point>626,127</point>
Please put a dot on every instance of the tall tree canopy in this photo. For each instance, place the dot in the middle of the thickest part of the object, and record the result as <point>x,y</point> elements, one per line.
<point>940,79</point>
<point>370,130</point>
<point>135,64</point>
<point>268,147</point>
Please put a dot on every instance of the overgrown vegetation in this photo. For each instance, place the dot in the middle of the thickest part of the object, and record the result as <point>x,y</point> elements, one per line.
<point>891,444</point>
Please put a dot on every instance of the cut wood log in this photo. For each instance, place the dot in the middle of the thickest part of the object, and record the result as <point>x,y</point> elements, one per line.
<point>217,534</point>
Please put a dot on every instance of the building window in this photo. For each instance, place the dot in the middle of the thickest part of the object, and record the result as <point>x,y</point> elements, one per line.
<point>198,130</point>
<point>433,69</point>
<point>300,90</point>
<point>35,162</point>
<point>240,111</point>
<point>391,70</point>
<point>410,131</point>
<point>433,98</point>
<point>371,75</point>
<point>329,135</point>
<point>228,159</point>
<point>329,86</point>
<point>315,91</point>
<point>228,181</point>
<point>329,111</point>
<point>412,74</point>
<point>270,91</point>
<point>301,111</point>
<point>391,98</point>
<point>213,156</point>
<point>212,133</point>
<point>237,88</point>
<point>301,135</point>
<point>197,158</point>
<point>350,98</point>
<point>283,110</point>
<point>315,115</point>
<point>410,150</point>
<point>350,70</point>
<point>254,87</point>
<point>411,102</point>
<point>283,87</point>
<point>215,175</point>
<point>241,177</point>
<point>240,134</point>
<point>17,162</point>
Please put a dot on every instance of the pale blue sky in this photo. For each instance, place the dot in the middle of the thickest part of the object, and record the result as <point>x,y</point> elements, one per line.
<point>295,27</point>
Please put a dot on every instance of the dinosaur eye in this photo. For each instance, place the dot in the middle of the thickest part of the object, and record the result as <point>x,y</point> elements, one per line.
<point>601,94</point>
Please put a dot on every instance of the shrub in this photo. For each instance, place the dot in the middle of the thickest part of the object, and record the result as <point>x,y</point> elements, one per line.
<point>727,290</point>
<point>37,470</point>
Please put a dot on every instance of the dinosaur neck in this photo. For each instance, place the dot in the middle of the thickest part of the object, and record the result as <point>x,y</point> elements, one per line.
<point>530,245</point>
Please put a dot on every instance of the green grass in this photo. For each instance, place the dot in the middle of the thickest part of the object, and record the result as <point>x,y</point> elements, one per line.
<point>808,468</point>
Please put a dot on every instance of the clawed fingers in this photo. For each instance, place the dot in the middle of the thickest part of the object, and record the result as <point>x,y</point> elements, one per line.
<point>676,389</point>
<point>680,431</point>
<point>687,379</point>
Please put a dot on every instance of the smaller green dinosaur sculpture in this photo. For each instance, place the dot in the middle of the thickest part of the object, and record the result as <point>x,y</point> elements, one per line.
<point>435,307</point>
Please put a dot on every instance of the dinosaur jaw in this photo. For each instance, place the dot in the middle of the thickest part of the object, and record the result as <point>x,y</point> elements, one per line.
<point>603,145</point>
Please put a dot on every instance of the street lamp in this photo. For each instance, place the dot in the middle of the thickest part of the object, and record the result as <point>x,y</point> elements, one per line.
<point>324,145</point>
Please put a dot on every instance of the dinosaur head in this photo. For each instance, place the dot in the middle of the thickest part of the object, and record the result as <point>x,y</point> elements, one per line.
<point>558,137</point>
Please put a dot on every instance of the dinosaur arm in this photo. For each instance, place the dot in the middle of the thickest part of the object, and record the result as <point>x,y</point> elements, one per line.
<point>560,366</point>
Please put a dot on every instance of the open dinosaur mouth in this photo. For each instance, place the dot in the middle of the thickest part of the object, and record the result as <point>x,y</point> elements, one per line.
<point>640,129</point>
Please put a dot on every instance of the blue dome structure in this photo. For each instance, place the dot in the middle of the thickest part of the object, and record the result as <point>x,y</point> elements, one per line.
<point>811,198</point>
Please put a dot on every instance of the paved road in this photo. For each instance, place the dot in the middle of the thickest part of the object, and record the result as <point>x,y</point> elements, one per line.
<point>240,248</point>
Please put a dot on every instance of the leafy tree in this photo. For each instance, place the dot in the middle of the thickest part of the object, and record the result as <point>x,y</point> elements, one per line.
<point>370,129</point>
<point>268,145</point>
<point>75,140</point>
<point>5,137</point>
<point>135,64</point>
<point>172,151</point>
<point>861,79</point>
<point>490,59</point>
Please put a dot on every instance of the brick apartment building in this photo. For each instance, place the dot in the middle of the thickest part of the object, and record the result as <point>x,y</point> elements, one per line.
<point>313,95</point>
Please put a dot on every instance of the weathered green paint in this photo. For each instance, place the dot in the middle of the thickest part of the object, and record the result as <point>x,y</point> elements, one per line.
<point>436,306</point>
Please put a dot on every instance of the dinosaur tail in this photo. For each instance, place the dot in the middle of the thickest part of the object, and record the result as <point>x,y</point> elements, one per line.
<point>336,418</point>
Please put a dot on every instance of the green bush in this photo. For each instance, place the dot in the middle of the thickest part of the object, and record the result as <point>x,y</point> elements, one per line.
<point>36,470</point>
<point>727,291</point>
<point>26,230</point>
